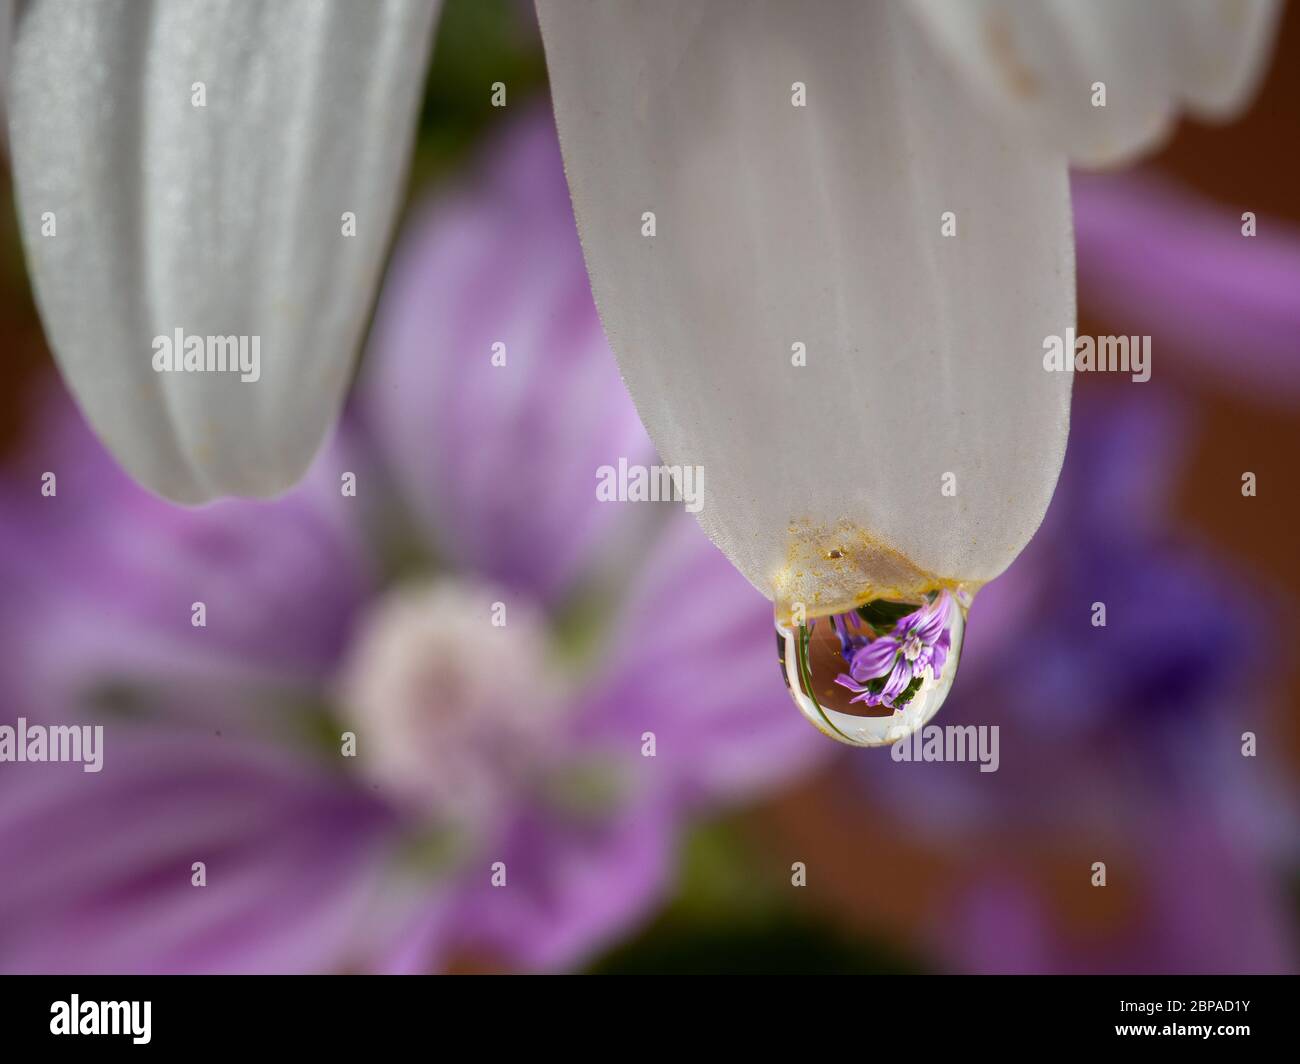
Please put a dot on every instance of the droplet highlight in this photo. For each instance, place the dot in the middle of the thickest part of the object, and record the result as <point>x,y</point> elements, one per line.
<point>877,673</point>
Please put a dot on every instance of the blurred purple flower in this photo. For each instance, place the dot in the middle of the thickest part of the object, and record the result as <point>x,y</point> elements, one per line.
<point>1151,701</point>
<point>1162,261</point>
<point>475,743</point>
<point>1111,734</point>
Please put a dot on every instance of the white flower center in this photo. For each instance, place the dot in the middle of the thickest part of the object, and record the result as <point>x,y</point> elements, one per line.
<point>450,710</point>
<point>912,647</point>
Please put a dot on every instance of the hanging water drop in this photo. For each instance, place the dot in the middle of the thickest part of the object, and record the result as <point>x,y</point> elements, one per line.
<point>877,673</point>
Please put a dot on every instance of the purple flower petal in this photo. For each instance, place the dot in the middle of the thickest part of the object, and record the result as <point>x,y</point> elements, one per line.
<point>691,660</point>
<point>572,888</point>
<point>280,581</point>
<point>106,860</point>
<point>934,619</point>
<point>1155,259</point>
<point>874,659</point>
<point>939,654</point>
<point>501,461</point>
<point>897,682</point>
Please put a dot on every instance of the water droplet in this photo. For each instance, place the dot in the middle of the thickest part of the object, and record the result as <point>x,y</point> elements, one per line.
<point>876,674</point>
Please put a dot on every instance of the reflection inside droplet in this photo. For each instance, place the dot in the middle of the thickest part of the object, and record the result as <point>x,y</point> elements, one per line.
<point>875,674</point>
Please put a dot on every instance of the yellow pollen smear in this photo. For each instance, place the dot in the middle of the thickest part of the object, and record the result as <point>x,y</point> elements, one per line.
<point>834,570</point>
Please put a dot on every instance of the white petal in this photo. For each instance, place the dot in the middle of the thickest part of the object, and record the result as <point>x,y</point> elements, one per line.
<point>224,220</point>
<point>6,34</point>
<point>1037,62</point>
<point>820,225</point>
<point>1226,48</point>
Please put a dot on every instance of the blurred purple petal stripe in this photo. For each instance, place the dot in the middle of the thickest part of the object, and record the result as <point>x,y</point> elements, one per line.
<point>1157,259</point>
<point>500,460</point>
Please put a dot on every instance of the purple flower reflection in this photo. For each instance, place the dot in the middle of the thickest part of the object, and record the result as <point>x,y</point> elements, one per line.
<point>918,643</point>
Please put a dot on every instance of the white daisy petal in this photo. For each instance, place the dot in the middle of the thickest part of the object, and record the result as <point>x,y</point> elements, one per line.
<point>1227,46</point>
<point>1040,62</point>
<point>778,225</point>
<point>6,32</point>
<point>143,213</point>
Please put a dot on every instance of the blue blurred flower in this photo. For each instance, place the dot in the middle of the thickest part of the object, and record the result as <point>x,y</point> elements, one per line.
<point>1122,663</point>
